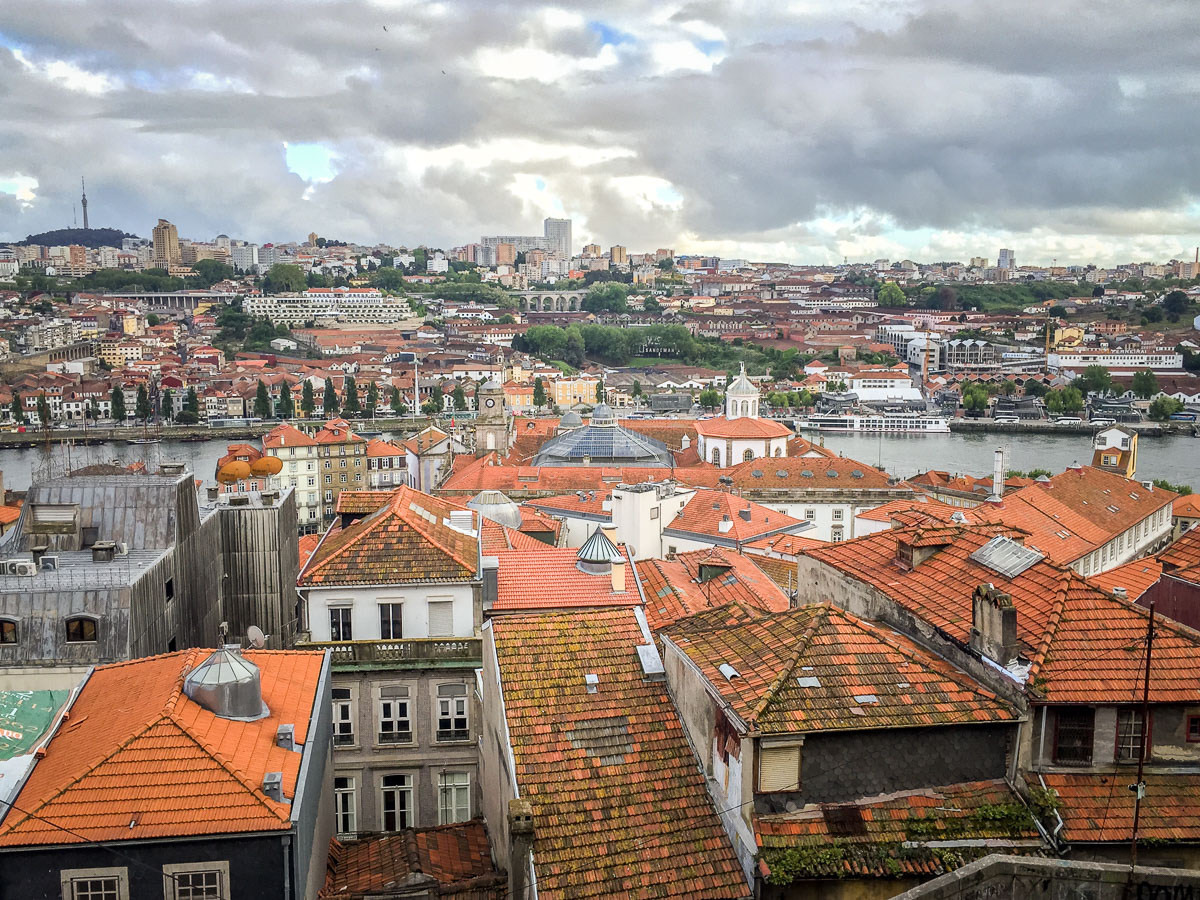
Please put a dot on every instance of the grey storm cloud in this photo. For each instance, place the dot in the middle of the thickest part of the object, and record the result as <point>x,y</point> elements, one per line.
<point>734,122</point>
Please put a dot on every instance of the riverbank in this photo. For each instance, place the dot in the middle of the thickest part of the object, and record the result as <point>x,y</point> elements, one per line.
<point>1043,426</point>
<point>92,436</point>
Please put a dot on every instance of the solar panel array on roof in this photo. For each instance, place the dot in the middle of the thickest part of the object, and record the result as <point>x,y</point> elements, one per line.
<point>1006,557</point>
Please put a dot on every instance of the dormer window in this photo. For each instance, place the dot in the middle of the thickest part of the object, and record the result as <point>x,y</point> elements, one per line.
<point>81,630</point>
<point>8,631</point>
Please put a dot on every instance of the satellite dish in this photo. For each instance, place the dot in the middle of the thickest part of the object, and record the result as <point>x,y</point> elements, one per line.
<point>257,639</point>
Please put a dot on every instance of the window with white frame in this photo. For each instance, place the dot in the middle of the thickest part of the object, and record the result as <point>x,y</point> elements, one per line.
<point>441,618</point>
<point>454,797</point>
<point>836,534</point>
<point>343,717</point>
<point>453,723</point>
<point>95,884</point>
<point>837,515</point>
<point>390,621</point>
<point>395,723</point>
<point>345,806</point>
<point>340,628</point>
<point>396,802</point>
<point>1129,735</point>
<point>196,881</point>
<point>810,514</point>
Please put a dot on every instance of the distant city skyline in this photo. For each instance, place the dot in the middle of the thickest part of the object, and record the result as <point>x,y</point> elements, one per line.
<point>922,129</point>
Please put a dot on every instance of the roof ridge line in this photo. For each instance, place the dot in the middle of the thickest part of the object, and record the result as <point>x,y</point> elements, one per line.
<point>386,507</point>
<point>227,766</point>
<point>801,646</point>
<point>1063,580</point>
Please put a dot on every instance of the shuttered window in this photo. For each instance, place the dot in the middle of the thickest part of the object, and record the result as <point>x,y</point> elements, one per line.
<point>779,769</point>
<point>441,618</point>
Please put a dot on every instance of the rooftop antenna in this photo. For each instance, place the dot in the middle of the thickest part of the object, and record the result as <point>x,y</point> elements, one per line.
<point>83,202</point>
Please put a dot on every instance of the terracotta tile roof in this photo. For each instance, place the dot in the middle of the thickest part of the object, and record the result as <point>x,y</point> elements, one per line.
<point>497,537</point>
<point>1083,643</point>
<point>670,431</point>
<point>286,436</point>
<point>487,474</point>
<point>1136,577</point>
<point>9,514</point>
<point>798,446</point>
<point>620,809</point>
<point>337,431</point>
<point>547,578</point>
<point>866,676</point>
<point>1187,506</point>
<point>379,447</point>
<point>595,503</point>
<point>1099,806</point>
<point>784,545</point>
<point>406,540</point>
<point>307,544</point>
<point>810,474</point>
<point>673,590</point>
<point>1184,553</point>
<point>911,510</point>
<point>869,837</point>
<point>454,860</point>
<point>721,427</point>
<point>965,483</point>
<point>361,502</point>
<point>707,510</point>
<point>424,439</point>
<point>533,522</point>
<point>137,759</point>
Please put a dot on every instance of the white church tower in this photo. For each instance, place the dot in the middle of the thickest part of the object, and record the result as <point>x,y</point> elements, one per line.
<point>741,398</point>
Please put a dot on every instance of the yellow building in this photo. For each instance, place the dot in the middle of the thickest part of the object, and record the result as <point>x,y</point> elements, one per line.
<point>618,255</point>
<point>166,245</point>
<point>1068,336</point>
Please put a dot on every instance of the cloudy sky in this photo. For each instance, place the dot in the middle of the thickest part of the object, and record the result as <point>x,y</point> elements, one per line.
<point>805,131</point>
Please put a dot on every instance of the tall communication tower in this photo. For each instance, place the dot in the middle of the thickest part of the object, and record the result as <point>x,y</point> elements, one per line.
<point>83,201</point>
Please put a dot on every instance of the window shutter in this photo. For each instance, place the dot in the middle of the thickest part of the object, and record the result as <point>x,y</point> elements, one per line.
<point>779,769</point>
<point>441,618</point>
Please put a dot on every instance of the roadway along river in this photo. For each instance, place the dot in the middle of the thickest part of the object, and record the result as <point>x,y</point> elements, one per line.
<point>1175,458</point>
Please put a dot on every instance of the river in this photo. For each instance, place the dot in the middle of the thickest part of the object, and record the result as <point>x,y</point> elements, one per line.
<point>1175,458</point>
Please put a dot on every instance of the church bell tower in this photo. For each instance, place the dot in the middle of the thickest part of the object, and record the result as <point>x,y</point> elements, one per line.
<point>492,429</point>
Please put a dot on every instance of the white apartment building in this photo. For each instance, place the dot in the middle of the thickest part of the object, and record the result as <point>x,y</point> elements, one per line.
<point>298,453</point>
<point>364,306</point>
<point>1078,360</point>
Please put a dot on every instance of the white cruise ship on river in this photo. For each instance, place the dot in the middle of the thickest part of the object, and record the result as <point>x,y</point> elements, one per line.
<point>894,423</point>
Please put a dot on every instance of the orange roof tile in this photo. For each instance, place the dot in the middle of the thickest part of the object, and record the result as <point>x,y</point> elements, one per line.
<point>707,510</point>
<point>1082,641</point>
<point>863,676</point>
<point>810,474</point>
<point>337,431</point>
<point>745,428</point>
<point>543,577</point>
<point>673,589</point>
<point>307,544</point>
<point>874,836</point>
<point>784,545</point>
<point>138,759</point>
<point>1099,807</point>
<point>1184,553</point>
<point>1187,506</point>
<point>408,539</point>
<point>454,858</point>
<point>379,447</point>
<point>1135,577</point>
<point>620,809</point>
<point>9,514</point>
<point>925,507</point>
<point>286,436</point>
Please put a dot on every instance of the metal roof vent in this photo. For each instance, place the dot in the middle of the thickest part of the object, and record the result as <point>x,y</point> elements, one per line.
<point>228,685</point>
<point>496,507</point>
<point>597,554</point>
<point>592,681</point>
<point>273,786</point>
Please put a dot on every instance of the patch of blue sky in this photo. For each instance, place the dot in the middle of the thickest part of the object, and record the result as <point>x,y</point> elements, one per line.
<point>708,48</point>
<point>540,184</point>
<point>610,35</point>
<point>313,162</point>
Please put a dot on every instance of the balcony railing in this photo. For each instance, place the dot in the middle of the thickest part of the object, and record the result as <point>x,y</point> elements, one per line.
<point>408,651</point>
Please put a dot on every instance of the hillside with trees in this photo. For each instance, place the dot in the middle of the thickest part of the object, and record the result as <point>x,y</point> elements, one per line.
<point>80,237</point>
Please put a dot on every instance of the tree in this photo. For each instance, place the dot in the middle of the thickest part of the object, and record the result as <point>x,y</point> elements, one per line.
<point>1094,380</point>
<point>891,295</point>
<point>609,296</point>
<point>187,417</point>
<point>166,408</point>
<point>539,392</point>
<point>1007,388</point>
<point>191,402</point>
<point>1175,304</point>
<point>1064,400</point>
<point>506,319</point>
<point>599,391</point>
<point>116,401</point>
<point>284,277</point>
<point>329,404</point>
<point>17,408</point>
<point>308,403</point>
<point>975,397</point>
<point>262,401</point>
<point>210,271</point>
<point>43,409</point>
<point>141,406</point>
<point>573,353</point>
<point>709,398</point>
<point>351,405</point>
<point>459,396</point>
<point>1145,384</point>
<point>1151,315</point>
<point>153,320</point>
<point>636,390</point>
<point>372,398</point>
<point>287,406</point>
<point>651,305</point>
<point>1098,291</point>
<point>1162,408</point>
<point>397,402</point>
<point>1034,388</point>
<point>431,407</point>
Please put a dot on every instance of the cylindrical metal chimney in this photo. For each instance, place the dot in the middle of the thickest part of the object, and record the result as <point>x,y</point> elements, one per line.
<point>998,473</point>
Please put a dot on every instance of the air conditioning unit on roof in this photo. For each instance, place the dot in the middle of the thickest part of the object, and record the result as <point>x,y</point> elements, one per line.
<point>20,567</point>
